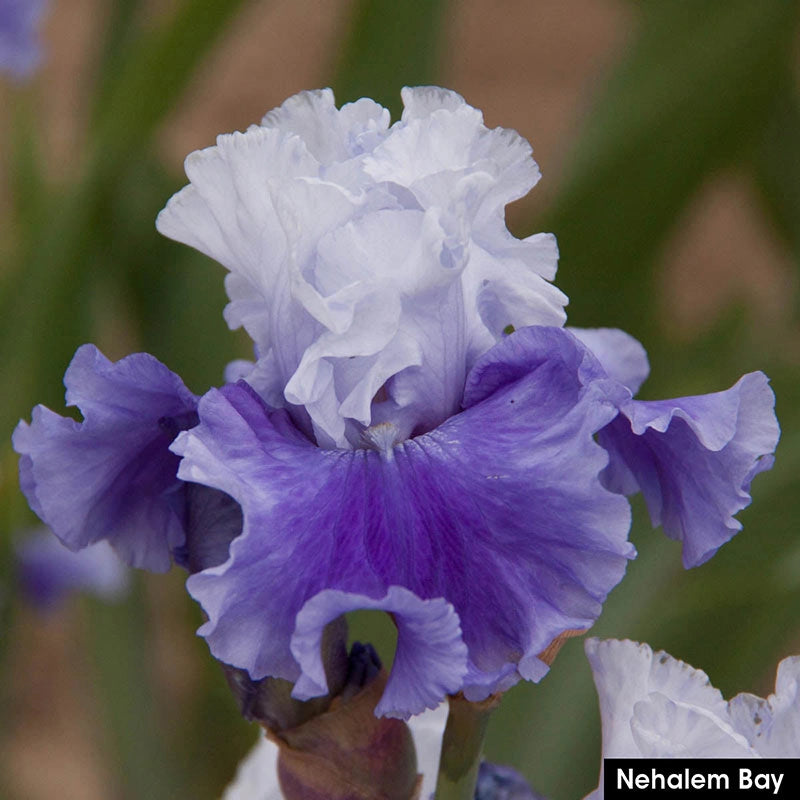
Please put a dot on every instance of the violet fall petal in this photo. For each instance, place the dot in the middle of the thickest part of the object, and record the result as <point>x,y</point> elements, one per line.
<point>693,458</point>
<point>498,513</point>
<point>431,655</point>
<point>110,477</point>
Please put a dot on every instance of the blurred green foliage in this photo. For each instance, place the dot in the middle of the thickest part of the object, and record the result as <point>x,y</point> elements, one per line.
<point>702,87</point>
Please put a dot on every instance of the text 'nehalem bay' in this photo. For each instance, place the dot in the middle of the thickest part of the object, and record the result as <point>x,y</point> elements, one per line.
<point>730,777</point>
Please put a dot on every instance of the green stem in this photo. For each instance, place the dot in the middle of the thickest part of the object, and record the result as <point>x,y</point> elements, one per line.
<point>462,746</point>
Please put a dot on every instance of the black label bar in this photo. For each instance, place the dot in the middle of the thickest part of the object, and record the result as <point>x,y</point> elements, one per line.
<point>701,777</point>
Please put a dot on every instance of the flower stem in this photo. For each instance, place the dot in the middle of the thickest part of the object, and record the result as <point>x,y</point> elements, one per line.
<point>462,745</point>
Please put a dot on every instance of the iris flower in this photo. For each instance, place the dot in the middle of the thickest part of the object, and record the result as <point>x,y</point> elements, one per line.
<point>655,706</point>
<point>417,433</point>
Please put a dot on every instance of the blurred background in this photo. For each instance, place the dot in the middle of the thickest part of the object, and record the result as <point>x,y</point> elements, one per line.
<point>667,132</point>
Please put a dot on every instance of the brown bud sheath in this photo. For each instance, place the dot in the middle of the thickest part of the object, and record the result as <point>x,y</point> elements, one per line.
<point>348,753</point>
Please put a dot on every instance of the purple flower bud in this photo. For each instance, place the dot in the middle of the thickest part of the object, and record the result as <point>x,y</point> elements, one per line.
<point>499,782</point>
<point>19,40</point>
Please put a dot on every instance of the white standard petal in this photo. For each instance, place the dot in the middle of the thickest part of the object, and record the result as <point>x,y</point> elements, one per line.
<point>419,147</point>
<point>331,134</point>
<point>371,265</point>
<point>422,101</point>
<point>228,210</point>
<point>441,135</point>
<point>383,317</point>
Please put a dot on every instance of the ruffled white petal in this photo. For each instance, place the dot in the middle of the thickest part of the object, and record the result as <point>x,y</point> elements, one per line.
<point>654,706</point>
<point>330,134</point>
<point>257,774</point>
<point>370,264</point>
<point>772,725</point>
<point>627,673</point>
<point>664,728</point>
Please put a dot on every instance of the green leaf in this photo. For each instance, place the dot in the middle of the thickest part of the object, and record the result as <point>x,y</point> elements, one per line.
<point>157,70</point>
<point>692,92</point>
<point>122,677</point>
<point>28,190</point>
<point>121,31</point>
<point>390,45</point>
<point>776,166</point>
<point>44,310</point>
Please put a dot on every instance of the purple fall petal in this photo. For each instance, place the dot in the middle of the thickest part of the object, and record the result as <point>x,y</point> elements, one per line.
<point>693,459</point>
<point>111,476</point>
<point>431,655</point>
<point>499,511</point>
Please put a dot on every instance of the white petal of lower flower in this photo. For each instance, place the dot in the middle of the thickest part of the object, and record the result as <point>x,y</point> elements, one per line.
<point>427,729</point>
<point>257,775</point>
<point>654,706</point>
<point>772,725</point>
<point>371,265</point>
<point>627,673</point>
<point>664,728</point>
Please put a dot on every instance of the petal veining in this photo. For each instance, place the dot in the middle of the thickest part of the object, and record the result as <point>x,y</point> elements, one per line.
<point>499,511</point>
<point>111,476</point>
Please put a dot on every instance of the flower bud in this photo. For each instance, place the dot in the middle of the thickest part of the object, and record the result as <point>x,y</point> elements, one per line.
<point>347,753</point>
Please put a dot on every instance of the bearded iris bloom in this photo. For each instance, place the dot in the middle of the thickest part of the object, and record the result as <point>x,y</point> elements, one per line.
<point>655,706</point>
<point>390,447</point>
